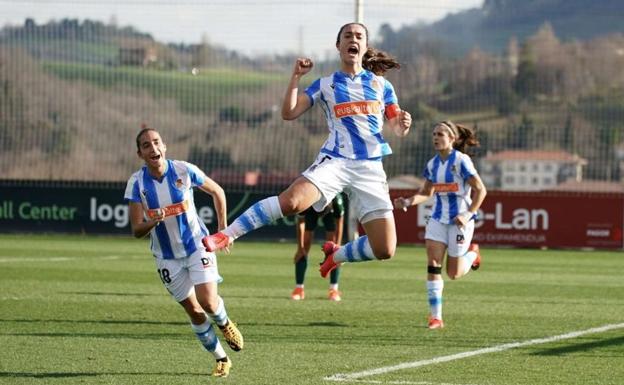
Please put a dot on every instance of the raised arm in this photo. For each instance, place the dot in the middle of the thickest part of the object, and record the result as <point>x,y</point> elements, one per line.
<point>400,123</point>
<point>296,103</point>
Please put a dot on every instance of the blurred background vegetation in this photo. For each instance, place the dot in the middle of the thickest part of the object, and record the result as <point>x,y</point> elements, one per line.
<point>538,75</point>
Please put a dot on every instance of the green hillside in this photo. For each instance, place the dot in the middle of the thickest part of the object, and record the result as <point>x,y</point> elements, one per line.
<point>209,89</point>
<point>491,26</point>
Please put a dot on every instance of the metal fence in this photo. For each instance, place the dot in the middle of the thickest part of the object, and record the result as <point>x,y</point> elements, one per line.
<point>75,91</point>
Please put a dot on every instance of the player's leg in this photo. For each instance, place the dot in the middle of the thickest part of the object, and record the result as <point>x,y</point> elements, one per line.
<point>435,283</point>
<point>176,279</point>
<point>370,200</point>
<point>463,255</point>
<point>329,223</point>
<point>379,243</point>
<point>436,241</point>
<point>201,325</point>
<point>296,198</point>
<point>205,276</point>
<point>300,260</point>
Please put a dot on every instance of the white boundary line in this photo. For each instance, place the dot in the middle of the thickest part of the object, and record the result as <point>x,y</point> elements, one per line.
<point>61,259</point>
<point>343,377</point>
<point>398,382</point>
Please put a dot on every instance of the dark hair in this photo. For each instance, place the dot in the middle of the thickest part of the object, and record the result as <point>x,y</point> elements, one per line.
<point>465,137</point>
<point>348,24</point>
<point>144,129</point>
<point>379,62</point>
<point>374,60</point>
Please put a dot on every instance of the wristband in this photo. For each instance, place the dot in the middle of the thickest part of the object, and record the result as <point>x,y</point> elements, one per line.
<point>392,111</point>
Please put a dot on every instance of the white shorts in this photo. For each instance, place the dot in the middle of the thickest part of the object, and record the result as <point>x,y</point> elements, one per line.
<point>364,181</point>
<point>455,238</point>
<point>181,275</point>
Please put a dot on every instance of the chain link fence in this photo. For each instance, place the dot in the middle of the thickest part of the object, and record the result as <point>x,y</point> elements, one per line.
<point>74,93</point>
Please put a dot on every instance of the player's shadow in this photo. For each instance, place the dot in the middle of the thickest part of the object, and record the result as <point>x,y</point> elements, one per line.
<point>582,347</point>
<point>104,322</point>
<point>88,374</point>
<point>104,293</point>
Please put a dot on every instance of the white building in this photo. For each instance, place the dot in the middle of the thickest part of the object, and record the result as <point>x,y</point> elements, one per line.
<point>519,170</point>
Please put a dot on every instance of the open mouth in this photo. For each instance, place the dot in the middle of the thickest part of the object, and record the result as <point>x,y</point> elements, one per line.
<point>353,49</point>
<point>155,157</point>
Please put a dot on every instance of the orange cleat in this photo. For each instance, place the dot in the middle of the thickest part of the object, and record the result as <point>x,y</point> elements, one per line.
<point>334,295</point>
<point>477,262</point>
<point>328,264</point>
<point>435,323</point>
<point>298,294</point>
<point>216,242</point>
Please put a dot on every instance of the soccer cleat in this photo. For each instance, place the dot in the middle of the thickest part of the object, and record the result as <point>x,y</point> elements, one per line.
<point>297,294</point>
<point>328,264</point>
<point>222,368</point>
<point>477,262</point>
<point>435,323</point>
<point>232,336</point>
<point>216,242</point>
<point>334,295</point>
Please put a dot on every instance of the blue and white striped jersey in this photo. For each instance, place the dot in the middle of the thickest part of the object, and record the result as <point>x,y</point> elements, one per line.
<point>354,108</point>
<point>180,234</point>
<point>450,180</point>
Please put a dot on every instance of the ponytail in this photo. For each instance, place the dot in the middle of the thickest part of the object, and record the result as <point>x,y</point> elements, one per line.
<point>379,62</point>
<point>464,137</point>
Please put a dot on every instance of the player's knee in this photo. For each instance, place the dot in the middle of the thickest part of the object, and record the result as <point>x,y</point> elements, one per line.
<point>197,315</point>
<point>209,305</point>
<point>290,205</point>
<point>384,252</point>
<point>453,272</point>
<point>453,276</point>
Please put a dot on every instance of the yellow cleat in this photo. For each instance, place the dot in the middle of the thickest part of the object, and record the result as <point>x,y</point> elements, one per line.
<point>222,369</point>
<point>232,336</point>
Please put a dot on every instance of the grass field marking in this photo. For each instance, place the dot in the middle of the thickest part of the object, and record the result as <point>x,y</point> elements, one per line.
<point>458,356</point>
<point>397,382</point>
<point>44,259</point>
<point>63,259</point>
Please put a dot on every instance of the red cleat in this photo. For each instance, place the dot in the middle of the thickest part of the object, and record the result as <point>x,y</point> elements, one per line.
<point>477,262</point>
<point>329,248</point>
<point>216,242</point>
<point>435,323</point>
<point>334,295</point>
<point>298,294</point>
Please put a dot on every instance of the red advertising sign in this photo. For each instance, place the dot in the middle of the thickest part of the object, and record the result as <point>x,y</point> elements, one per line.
<point>532,219</point>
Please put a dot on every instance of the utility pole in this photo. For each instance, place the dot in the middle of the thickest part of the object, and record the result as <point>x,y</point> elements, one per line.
<point>352,220</point>
<point>359,11</point>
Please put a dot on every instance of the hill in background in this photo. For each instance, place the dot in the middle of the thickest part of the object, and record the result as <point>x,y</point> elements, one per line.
<point>491,26</point>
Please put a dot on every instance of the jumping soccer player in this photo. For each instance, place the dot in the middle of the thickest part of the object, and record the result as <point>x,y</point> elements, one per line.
<point>356,100</point>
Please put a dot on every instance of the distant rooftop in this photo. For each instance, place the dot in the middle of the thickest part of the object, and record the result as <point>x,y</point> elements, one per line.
<point>544,155</point>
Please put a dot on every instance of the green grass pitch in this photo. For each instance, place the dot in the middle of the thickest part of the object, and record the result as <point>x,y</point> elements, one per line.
<point>91,310</point>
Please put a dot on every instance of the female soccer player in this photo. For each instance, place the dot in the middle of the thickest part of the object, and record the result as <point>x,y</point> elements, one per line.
<point>160,197</point>
<point>459,192</point>
<point>333,220</point>
<point>355,100</point>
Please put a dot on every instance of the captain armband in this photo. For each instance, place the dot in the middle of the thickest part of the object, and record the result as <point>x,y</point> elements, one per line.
<point>392,111</point>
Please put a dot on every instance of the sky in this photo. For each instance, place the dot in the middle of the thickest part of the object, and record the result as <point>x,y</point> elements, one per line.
<point>250,27</point>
